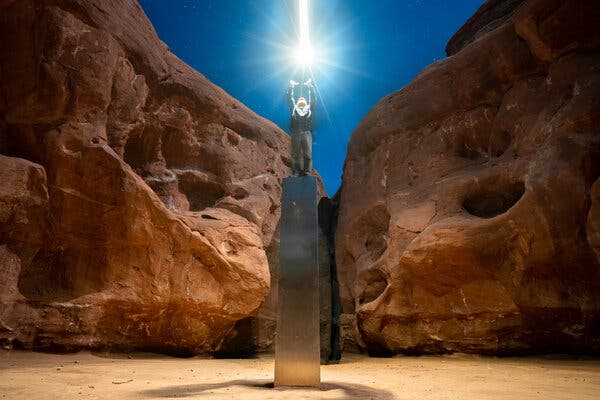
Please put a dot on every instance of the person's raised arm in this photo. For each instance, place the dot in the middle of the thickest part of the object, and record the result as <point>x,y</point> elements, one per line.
<point>290,95</point>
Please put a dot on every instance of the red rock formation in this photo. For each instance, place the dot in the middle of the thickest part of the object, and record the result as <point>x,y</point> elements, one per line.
<point>490,16</point>
<point>466,195</point>
<point>138,201</point>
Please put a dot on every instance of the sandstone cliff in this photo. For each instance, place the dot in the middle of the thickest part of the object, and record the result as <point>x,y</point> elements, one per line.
<point>138,201</point>
<point>469,213</point>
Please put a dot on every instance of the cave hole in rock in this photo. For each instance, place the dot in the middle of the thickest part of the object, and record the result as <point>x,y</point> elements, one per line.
<point>493,198</point>
<point>200,194</point>
<point>134,153</point>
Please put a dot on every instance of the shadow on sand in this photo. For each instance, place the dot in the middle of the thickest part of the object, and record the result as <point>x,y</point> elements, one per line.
<point>349,390</point>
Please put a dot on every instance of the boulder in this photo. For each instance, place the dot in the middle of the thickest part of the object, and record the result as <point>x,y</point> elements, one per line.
<point>139,201</point>
<point>467,217</point>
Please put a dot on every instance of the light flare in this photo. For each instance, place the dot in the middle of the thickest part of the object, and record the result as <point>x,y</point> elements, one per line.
<point>305,55</point>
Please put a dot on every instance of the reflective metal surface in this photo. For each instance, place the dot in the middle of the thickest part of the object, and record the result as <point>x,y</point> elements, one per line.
<point>297,358</point>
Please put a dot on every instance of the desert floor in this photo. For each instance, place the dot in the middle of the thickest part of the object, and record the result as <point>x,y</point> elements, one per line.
<point>26,375</point>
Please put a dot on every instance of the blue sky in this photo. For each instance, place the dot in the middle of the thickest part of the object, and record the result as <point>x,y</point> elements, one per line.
<point>365,50</point>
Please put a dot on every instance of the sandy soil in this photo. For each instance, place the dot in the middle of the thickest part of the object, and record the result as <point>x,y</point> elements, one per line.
<point>25,375</point>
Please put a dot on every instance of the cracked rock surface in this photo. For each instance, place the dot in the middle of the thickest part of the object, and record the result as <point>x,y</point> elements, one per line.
<point>468,220</point>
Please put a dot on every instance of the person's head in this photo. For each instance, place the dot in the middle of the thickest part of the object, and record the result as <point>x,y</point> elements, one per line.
<point>301,102</point>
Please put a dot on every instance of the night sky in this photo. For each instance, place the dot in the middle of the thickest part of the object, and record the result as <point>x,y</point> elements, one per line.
<point>366,50</point>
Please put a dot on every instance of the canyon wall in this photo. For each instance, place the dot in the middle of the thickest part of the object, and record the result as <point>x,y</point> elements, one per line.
<point>469,206</point>
<point>139,202</point>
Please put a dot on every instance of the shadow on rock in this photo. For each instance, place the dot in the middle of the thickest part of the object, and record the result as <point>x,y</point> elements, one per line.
<point>347,390</point>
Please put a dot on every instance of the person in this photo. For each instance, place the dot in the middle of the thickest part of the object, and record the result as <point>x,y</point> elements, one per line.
<point>301,126</point>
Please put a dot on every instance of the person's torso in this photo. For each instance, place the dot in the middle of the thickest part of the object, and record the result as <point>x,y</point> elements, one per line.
<point>301,120</point>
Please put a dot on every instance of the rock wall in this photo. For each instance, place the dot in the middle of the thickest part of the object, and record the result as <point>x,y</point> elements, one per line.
<point>138,201</point>
<point>467,220</point>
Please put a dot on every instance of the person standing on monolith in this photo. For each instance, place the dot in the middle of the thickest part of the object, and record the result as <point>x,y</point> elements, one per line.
<point>301,126</point>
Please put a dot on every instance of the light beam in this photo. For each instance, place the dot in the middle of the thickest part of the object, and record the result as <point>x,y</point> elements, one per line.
<point>305,53</point>
<point>304,32</point>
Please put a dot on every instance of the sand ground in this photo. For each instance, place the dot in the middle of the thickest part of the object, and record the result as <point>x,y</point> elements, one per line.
<point>26,375</point>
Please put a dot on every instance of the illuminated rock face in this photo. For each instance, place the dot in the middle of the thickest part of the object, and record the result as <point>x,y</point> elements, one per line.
<point>138,201</point>
<point>467,219</point>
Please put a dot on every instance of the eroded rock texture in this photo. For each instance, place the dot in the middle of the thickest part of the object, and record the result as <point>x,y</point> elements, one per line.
<point>468,221</point>
<point>138,201</point>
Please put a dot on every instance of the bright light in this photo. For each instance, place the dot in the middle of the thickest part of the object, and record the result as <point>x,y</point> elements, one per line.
<point>305,53</point>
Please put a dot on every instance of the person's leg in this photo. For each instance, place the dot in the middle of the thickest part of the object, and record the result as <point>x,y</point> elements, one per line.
<point>307,151</point>
<point>296,153</point>
<point>300,153</point>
